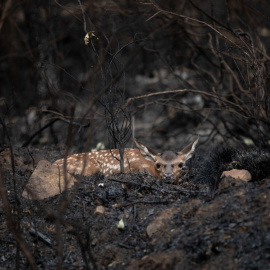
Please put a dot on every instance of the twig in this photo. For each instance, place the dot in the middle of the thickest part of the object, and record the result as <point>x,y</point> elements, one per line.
<point>165,201</point>
<point>11,225</point>
<point>40,236</point>
<point>39,131</point>
<point>238,106</point>
<point>51,123</point>
<point>198,21</point>
<point>162,190</point>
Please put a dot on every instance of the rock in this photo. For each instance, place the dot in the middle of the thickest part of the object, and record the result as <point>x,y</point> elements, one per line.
<point>160,222</point>
<point>100,210</point>
<point>238,174</point>
<point>162,261</point>
<point>46,181</point>
<point>234,178</point>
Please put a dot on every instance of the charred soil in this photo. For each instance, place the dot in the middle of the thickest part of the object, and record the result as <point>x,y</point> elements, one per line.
<point>135,222</point>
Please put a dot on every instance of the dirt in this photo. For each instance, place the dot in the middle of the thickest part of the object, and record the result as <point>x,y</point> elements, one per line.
<point>134,222</point>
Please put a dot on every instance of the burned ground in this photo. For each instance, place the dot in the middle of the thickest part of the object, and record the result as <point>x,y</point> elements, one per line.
<point>160,71</point>
<point>135,222</point>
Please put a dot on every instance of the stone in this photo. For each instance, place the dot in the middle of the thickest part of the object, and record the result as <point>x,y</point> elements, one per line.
<point>47,181</point>
<point>100,210</point>
<point>160,222</point>
<point>234,178</point>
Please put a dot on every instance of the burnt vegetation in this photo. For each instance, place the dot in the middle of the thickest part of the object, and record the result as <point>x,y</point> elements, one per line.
<point>161,71</point>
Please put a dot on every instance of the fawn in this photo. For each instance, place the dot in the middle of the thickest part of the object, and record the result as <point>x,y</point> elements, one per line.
<point>167,165</point>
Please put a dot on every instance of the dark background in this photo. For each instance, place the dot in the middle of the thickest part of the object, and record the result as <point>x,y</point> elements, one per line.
<point>216,50</point>
<point>163,72</point>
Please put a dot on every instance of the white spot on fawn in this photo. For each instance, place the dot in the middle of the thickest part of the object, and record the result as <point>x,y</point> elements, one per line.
<point>106,161</point>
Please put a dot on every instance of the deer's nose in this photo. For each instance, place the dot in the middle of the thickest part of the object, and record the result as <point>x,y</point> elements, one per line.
<point>168,176</point>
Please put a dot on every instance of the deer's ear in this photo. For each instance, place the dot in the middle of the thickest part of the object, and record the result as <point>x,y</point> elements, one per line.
<point>146,152</point>
<point>189,150</point>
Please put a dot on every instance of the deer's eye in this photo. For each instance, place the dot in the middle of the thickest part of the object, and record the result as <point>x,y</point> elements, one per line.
<point>180,165</point>
<point>158,165</point>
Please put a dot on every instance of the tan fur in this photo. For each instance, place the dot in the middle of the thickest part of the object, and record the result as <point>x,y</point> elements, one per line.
<point>107,162</point>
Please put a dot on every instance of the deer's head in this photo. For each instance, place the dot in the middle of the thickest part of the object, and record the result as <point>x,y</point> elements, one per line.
<point>168,164</point>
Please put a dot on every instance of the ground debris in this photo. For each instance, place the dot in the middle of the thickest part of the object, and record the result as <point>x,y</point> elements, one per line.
<point>165,226</point>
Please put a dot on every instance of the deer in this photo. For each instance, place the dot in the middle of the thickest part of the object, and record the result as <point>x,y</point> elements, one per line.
<point>167,165</point>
